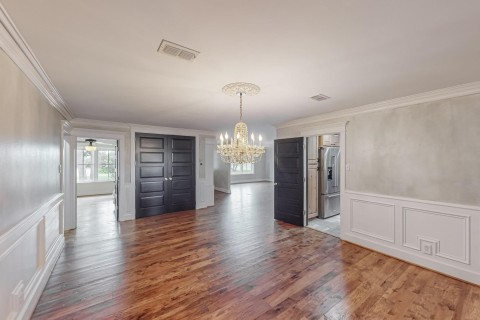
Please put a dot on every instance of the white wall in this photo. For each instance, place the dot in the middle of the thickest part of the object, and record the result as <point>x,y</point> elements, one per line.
<point>95,188</point>
<point>221,175</point>
<point>31,201</point>
<point>412,178</point>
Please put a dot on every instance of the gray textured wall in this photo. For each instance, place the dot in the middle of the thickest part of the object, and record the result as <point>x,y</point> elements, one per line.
<point>429,151</point>
<point>29,146</point>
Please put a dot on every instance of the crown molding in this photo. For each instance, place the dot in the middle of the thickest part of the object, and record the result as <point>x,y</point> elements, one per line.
<point>12,42</point>
<point>122,126</point>
<point>111,125</point>
<point>435,95</point>
<point>170,130</point>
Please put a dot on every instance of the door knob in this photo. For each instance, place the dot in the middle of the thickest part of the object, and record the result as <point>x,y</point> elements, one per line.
<point>166,179</point>
<point>275,183</point>
<point>169,178</point>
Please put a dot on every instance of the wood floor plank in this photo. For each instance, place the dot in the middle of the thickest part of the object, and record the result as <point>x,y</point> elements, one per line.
<point>234,261</point>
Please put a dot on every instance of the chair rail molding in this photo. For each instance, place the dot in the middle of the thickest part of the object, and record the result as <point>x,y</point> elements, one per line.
<point>15,46</point>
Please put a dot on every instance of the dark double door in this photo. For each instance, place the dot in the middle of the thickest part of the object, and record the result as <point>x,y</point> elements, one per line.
<point>289,181</point>
<point>165,174</point>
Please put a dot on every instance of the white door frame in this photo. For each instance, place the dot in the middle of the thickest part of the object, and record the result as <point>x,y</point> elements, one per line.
<point>104,134</point>
<point>339,127</point>
<point>69,186</point>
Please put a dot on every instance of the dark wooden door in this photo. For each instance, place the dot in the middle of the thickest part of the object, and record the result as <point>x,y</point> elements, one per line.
<point>165,174</point>
<point>289,186</point>
<point>182,173</point>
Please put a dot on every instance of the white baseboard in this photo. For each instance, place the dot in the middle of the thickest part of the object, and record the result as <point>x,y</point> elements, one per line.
<point>249,181</point>
<point>222,190</point>
<point>28,253</point>
<point>435,235</point>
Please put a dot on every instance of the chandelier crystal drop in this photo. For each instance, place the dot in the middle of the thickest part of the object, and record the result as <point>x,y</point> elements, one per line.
<point>240,148</point>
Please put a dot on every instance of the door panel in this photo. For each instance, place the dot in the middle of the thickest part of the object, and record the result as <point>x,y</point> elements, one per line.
<point>288,171</point>
<point>152,143</point>
<point>182,143</point>
<point>151,172</point>
<point>151,187</point>
<point>154,201</point>
<point>182,155</point>
<point>152,157</point>
<point>165,174</point>
<point>181,171</point>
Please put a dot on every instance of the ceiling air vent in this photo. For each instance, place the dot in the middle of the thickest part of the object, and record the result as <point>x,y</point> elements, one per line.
<point>177,50</point>
<point>320,97</point>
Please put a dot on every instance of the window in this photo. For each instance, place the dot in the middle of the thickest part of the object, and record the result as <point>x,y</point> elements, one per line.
<point>85,165</point>
<point>106,165</point>
<point>246,168</point>
<point>96,166</point>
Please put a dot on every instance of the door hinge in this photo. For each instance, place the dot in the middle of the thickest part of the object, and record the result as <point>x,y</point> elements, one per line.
<point>304,146</point>
<point>304,179</point>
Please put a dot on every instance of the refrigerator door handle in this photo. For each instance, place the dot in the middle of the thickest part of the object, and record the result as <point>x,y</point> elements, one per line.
<point>331,195</point>
<point>334,172</point>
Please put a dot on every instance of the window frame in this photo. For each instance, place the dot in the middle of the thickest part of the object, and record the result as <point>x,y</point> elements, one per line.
<point>96,165</point>
<point>242,171</point>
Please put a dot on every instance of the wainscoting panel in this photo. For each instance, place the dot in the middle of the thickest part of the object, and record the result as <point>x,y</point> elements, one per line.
<point>373,219</point>
<point>440,236</point>
<point>448,233</point>
<point>52,227</point>
<point>28,253</point>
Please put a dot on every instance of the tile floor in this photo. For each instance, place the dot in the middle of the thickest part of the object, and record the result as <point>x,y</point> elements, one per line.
<point>329,226</point>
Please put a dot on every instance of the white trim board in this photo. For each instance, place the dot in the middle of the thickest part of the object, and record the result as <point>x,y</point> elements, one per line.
<point>15,46</point>
<point>250,181</point>
<point>222,190</point>
<point>429,96</point>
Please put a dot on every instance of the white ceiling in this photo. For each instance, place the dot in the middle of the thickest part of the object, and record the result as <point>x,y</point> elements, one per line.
<point>102,56</point>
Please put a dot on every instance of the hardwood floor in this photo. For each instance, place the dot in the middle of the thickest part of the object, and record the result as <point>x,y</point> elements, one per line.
<point>234,261</point>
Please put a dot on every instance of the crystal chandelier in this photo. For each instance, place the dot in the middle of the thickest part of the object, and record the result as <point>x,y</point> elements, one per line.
<point>240,149</point>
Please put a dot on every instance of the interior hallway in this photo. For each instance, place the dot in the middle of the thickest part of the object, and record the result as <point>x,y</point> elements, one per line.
<point>234,261</point>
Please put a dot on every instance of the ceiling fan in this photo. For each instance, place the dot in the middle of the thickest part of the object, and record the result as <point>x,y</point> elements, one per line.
<point>91,147</point>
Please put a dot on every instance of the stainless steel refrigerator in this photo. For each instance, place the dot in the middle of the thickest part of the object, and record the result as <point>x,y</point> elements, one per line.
<point>329,181</point>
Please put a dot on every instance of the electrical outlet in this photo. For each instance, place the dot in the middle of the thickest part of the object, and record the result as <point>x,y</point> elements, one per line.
<point>427,248</point>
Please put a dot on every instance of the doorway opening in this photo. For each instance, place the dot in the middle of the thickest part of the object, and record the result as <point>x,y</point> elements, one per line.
<point>97,163</point>
<point>323,183</point>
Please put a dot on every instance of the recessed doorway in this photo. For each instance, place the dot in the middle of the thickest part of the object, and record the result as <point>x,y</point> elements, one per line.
<point>323,183</point>
<point>96,180</point>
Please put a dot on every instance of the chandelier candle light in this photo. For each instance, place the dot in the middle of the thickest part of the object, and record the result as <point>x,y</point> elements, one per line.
<point>240,149</point>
